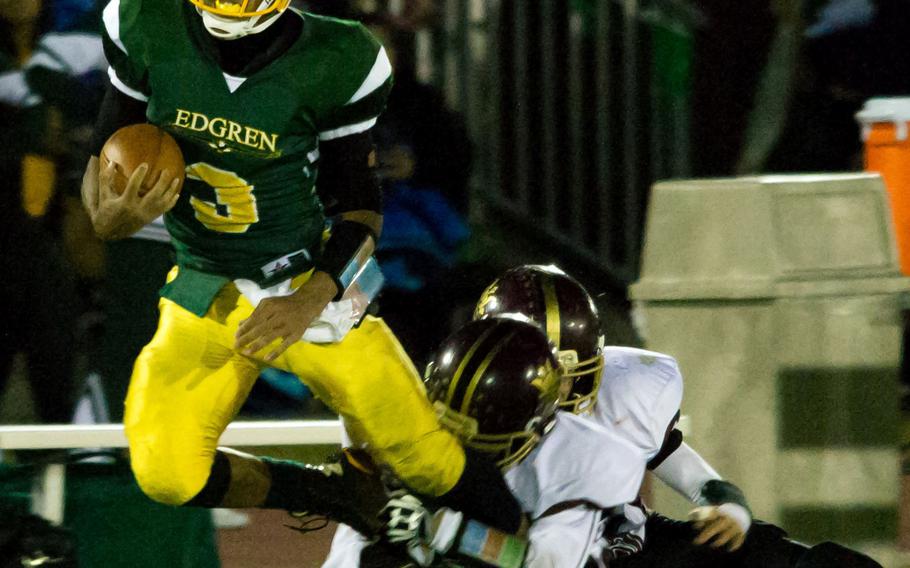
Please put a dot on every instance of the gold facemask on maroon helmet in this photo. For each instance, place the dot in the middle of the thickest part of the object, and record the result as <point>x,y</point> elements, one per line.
<point>562,307</point>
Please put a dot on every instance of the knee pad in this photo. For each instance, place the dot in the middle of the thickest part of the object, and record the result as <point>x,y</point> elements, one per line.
<point>829,554</point>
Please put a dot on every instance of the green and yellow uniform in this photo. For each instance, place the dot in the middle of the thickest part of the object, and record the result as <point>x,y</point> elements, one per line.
<point>249,210</point>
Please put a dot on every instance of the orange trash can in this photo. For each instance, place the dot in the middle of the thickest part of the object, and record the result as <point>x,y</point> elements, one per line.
<point>887,151</point>
<point>885,123</point>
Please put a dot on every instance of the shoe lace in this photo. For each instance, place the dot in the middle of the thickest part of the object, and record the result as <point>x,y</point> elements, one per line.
<point>308,522</point>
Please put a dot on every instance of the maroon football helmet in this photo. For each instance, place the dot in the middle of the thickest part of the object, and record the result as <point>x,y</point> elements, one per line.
<point>495,384</point>
<point>562,307</point>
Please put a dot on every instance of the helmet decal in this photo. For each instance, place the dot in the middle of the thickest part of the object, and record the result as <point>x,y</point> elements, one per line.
<point>487,300</point>
<point>547,380</point>
<point>562,308</point>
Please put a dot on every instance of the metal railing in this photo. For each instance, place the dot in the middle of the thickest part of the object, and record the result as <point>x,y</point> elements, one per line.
<point>559,99</point>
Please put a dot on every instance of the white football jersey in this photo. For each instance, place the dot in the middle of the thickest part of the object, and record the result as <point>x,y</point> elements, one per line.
<point>566,539</point>
<point>581,463</point>
<point>578,460</point>
<point>640,393</point>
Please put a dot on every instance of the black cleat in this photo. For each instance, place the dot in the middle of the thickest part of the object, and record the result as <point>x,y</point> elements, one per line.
<point>346,490</point>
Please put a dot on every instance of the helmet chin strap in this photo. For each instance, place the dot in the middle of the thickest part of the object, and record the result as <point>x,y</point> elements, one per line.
<point>235,28</point>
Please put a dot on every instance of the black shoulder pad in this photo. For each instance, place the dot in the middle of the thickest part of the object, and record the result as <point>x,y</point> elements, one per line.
<point>674,440</point>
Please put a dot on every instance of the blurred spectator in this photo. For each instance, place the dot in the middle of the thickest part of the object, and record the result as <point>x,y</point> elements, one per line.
<point>424,160</point>
<point>136,269</point>
<point>843,52</point>
<point>69,70</point>
<point>70,15</point>
<point>840,15</point>
<point>730,51</point>
<point>131,270</point>
<point>37,291</point>
<point>420,140</point>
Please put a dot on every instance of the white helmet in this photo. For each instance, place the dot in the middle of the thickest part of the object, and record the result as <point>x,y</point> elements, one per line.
<point>232,19</point>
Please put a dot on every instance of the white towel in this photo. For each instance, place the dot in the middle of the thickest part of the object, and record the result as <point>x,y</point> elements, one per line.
<point>331,326</point>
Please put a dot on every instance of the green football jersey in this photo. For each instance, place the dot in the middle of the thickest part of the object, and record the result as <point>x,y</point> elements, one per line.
<point>251,145</point>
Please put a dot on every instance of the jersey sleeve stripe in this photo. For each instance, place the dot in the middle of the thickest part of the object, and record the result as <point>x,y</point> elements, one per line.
<point>111,18</point>
<point>124,88</point>
<point>378,75</point>
<point>348,130</point>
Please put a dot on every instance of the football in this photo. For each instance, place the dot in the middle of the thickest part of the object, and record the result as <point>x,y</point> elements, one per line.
<point>135,144</point>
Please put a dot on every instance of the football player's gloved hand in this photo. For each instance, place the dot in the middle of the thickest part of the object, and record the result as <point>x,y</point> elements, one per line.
<point>425,534</point>
<point>723,525</point>
<point>433,535</point>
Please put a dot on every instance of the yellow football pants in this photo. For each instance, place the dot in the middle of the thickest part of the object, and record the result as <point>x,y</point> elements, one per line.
<point>189,383</point>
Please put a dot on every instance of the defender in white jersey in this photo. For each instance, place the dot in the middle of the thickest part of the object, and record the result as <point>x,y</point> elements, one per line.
<point>636,394</point>
<point>494,384</point>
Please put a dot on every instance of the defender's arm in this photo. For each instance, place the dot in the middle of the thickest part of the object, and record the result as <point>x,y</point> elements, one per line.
<point>720,502</point>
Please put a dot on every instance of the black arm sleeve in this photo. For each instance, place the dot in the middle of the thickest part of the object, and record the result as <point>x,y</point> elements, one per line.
<point>347,180</point>
<point>117,110</point>
<point>482,494</point>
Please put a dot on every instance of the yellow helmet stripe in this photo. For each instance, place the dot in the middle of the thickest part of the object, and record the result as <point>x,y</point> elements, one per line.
<point>472,386</point>
<point>456,378</point>
<point>551,305</point>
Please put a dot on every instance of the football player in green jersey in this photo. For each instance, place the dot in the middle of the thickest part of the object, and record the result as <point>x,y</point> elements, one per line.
<point>260,96</point>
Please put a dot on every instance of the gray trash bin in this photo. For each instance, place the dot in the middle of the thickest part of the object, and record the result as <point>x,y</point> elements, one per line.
<point>781,297</point>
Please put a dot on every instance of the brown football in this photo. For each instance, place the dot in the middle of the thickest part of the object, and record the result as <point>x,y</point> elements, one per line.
<point>135,144</point>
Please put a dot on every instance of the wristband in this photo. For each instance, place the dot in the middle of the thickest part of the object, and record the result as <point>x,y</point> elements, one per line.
<point>493,548</point>
<point>363,289</point>
<point>345,253</point>
<point>718,492</point>
<point>445,528</point>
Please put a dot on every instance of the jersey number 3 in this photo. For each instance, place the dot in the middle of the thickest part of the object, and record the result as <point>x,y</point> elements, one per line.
<point>234,209</point>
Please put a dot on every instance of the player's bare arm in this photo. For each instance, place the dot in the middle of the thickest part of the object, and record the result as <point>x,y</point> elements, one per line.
<point>119,216</point>
<point>723,518</point>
